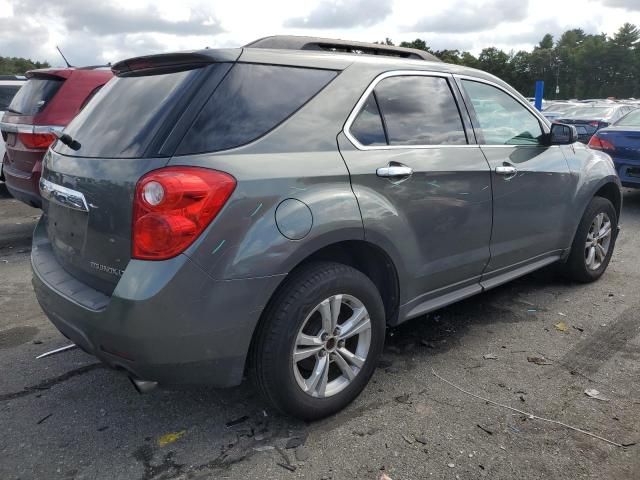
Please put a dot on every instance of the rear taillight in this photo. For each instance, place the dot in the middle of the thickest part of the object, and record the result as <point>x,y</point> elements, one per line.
<point>37,140</point>
<point>598,143</point>
<point>172,206</point>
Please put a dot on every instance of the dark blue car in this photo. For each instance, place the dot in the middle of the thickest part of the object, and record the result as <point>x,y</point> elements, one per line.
<point>622,142</point>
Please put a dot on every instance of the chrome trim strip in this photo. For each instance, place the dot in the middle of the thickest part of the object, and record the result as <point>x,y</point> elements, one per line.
<point>63,196</point>
<point>26,128</point>
<point>356,110</point>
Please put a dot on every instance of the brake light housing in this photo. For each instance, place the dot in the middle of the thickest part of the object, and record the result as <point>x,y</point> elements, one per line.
<point>37,141</point>
<point>599,143</point>
<point>172,207</point>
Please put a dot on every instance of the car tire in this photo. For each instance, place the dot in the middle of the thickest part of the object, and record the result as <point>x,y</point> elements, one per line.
<point>588,261</point>
<point>296,323</point>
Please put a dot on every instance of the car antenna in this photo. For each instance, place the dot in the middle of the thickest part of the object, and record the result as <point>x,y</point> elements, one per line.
<point>64,58</point>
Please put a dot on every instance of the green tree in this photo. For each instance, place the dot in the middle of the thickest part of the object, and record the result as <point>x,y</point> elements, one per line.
<point>417,43</point>
<point>19,66</point>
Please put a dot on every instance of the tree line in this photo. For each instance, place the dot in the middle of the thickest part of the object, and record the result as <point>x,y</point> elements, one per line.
<point>581,65</point>
<point>18,66</point>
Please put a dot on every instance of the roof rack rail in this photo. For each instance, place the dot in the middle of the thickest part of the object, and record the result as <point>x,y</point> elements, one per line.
<point>294,42</point>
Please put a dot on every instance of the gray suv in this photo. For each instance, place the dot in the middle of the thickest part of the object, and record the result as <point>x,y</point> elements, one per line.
<point>269,211</point>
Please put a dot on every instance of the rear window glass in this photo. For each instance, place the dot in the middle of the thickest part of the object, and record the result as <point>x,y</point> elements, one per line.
<point>630,120</point>
<point>123,118</point>
<point>367,128</point>
<point>7,93</point>
<point>251,100</point>
<point>584,112</point>
<point>34,96</point>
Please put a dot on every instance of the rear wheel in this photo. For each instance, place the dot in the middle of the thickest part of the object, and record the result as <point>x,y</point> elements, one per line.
<point>593,244</point>
<point>319,342</point>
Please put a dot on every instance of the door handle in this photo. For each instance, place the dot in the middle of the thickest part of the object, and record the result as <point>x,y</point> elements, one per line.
<point>507,170</point>
<point>394,171</point>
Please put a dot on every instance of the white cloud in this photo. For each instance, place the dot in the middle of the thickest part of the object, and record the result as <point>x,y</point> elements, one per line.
<point>110,30</point>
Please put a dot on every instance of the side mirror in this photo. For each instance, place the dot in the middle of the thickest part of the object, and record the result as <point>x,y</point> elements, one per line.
<point>562,134</point>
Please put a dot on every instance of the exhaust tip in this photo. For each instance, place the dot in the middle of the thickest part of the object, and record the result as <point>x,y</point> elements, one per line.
<point>143,386</point>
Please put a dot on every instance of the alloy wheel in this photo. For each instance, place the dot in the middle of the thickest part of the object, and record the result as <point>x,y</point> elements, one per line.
<point>598,241</point>
<point>331,346</point>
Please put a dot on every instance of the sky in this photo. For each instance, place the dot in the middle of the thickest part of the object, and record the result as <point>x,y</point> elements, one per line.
<point>100,31</point>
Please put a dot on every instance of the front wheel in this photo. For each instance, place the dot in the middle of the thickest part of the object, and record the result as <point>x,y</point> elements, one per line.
<point>593,244</point>
<point>320,341</point>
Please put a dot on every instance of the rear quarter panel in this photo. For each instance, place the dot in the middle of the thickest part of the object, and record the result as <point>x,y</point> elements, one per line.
<point>297,160</point>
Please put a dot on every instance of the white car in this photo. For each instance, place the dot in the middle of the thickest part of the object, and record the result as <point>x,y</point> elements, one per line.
<point>9,86</point>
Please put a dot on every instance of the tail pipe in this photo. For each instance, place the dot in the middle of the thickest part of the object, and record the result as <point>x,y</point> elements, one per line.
<point>143,386</point>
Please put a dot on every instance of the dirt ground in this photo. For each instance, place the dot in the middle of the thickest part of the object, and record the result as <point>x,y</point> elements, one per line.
<point>68,417</point>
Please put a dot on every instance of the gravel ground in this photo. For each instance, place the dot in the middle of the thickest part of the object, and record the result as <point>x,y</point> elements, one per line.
<point>68,417</point>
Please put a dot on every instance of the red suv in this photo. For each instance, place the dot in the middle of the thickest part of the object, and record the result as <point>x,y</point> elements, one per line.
<point>48,101</point>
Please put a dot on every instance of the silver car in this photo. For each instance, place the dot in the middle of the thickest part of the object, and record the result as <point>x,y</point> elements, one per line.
<point>269,211</point>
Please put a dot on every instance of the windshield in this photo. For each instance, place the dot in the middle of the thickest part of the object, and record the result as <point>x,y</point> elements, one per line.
<point>632,119</point>
<point>34,96</point>
<point>123,118</point>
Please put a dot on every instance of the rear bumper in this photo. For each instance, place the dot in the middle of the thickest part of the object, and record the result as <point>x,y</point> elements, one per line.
<point>167,321</point>
<point>628,171</point>
<point>23,186</point>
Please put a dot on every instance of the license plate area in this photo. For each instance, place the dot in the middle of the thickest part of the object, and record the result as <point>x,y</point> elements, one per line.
<point>67,228</point>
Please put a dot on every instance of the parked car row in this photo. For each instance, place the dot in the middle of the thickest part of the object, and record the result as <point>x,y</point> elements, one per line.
<point>48,100</point>
<point>607,125</point>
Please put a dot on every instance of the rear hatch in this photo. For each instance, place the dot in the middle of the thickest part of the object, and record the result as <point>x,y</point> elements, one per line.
<point>26,142</point>
<point>128,129</point>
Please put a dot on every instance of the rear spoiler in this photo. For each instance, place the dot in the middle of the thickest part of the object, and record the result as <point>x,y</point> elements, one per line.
<point>173,62</point>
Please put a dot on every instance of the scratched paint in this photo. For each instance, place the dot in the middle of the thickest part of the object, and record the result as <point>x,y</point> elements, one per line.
<point>256,210</point>
<point>218,247</point>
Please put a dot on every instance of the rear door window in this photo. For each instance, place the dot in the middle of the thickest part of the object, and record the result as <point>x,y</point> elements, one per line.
<point>503,120</point>
<point>35,95</point>
<point>419,110</point>
<point>251,101</point>
<point>7,92</point>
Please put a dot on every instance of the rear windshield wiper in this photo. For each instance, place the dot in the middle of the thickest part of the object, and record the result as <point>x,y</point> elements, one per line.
<point>67,140</point>
<point>11,110</point>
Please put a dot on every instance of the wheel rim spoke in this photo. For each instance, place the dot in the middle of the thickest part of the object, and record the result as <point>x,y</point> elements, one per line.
<point>320,370</point>
<point>336,306</point>
<point>325,312</point>
<point>351,358</point>
<point>301,354</point>
<point>309,340</point>
<point>343,366</point>
<point>605,231</point>
<point>358,323</point>
<point>600,253</point>
<point>591,256</point>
